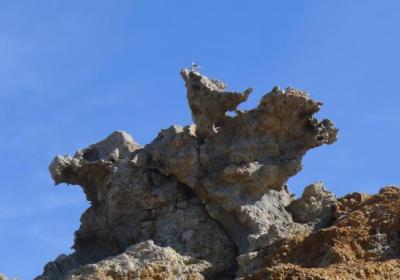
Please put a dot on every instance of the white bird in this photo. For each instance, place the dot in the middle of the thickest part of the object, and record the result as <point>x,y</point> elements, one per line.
<point>195,67</point>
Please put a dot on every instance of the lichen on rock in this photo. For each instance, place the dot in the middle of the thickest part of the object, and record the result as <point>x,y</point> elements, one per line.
<point>210,200</point>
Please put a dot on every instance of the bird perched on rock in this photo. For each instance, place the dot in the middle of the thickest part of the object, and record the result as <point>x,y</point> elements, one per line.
<point>195,66</point>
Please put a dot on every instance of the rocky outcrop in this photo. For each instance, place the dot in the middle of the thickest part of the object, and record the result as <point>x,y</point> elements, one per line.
<point>238,166</point>
<point>315,207</point>
<point>210,200</point>
<point>362,243</point>
<point>145,261</point>
<point>131,205</point>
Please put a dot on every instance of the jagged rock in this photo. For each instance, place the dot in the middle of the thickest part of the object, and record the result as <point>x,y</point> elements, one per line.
<point>118,145</point>
<point>315,207</point>
<point>179,145</point>
<point>240,170</point>
<point>209,102</point>
<point>131,204</point>
<point>198,197</point>
<point>144,261</point>
<point>364,243</point>
<point>3,277</point>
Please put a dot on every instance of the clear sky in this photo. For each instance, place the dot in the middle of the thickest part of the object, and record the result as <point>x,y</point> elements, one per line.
<point>71,72</point>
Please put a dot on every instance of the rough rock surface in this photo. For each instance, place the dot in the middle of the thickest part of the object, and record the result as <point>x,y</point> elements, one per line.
<point>239,165</point>
<point>210,200</point>
<point>144,261</point>
<point>362,243</point>
<point>315,207</point>
<point>131,205</point>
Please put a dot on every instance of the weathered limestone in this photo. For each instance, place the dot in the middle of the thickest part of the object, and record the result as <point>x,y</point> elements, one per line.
<point>315,207</point>
<point>130,205</point>
<point>209,102</point>
<point>145,261</point>
<point>239,165</point>
<point>195,198</point>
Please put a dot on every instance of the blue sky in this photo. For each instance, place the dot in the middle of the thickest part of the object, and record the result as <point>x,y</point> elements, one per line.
<point>71,72</point>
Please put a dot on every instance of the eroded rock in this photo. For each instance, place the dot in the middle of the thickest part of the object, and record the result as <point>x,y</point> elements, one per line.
<point>240,170</point>
<point>316,206</point>
<point>144,261</point>
<point>210,200</point>
<point>209,102</point>
<point>130,205</point>
<point>364,243</point>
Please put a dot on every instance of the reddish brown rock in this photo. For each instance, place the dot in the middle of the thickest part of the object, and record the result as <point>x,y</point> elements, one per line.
<point>363,243</point>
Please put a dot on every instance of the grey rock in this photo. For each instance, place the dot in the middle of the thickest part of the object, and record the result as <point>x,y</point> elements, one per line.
<point>175,152</point>
<point>144,261</point>
<point>248,263</point>
<point>240,169</point>
<point>203,193</point>
<point>209,102</point>
<point>118,144</point>
<point>131,204</point>
<point>315,207</point>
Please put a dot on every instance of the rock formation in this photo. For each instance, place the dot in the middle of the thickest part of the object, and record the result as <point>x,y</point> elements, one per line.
<point>210,200</point>
<point>362,243</point>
